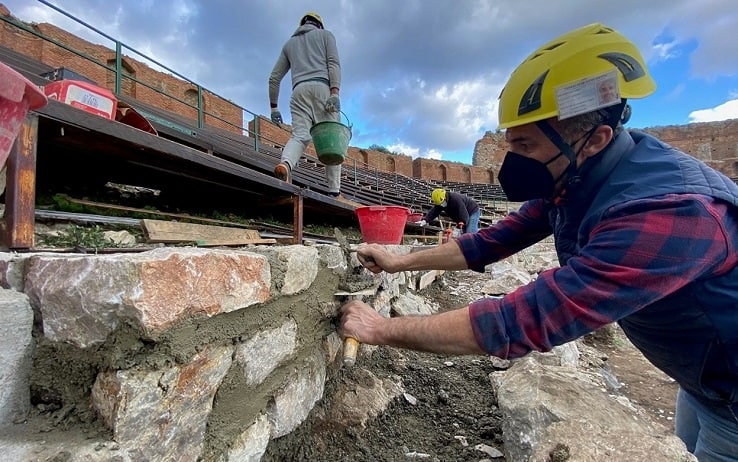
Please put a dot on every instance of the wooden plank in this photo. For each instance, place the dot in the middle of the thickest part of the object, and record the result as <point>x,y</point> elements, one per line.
<point>420,236</point>
<point>182,216</point>
<point>172,231</point>
<point>438,237</point>
<point>215,242</point>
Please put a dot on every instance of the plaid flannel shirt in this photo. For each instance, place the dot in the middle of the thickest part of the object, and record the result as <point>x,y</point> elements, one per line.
<point>638,253</point>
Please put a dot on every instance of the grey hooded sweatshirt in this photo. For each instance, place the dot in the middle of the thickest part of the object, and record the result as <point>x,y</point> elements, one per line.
<point>311,55</point>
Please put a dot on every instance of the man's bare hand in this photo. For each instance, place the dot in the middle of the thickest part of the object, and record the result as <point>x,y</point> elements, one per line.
<point>444,333</point>
<point>376,259</point>
<point>361,322</point>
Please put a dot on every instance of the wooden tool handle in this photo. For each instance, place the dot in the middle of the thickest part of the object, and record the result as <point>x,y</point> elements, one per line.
<point>350,348</point>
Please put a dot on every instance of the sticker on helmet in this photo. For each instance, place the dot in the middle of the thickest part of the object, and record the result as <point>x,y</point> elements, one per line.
<point>588,94</point>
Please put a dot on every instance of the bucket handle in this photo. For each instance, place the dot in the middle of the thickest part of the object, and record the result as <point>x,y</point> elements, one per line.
<point>348,124</point>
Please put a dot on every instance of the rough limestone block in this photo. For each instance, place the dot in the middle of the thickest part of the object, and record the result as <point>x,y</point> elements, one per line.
<point>82,299</point>
<point>251,445</point>
<point>16,345</point>
<point>293,404</point>
<point>266,351</point>
<point>163,413</point>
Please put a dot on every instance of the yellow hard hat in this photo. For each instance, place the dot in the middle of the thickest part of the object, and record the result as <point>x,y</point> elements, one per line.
<point>438,196</point>
<point>580,55</point>
<point>311,15</point>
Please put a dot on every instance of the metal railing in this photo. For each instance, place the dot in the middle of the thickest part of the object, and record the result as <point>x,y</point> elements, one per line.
<point>119,75</point>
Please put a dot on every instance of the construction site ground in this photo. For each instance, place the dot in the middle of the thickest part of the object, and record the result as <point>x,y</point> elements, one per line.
<point>454,400</point>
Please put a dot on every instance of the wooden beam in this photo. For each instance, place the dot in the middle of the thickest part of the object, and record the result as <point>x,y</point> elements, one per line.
<point>216,243</point>
<point>86,218</point>
<point>298,208</point>
<point>277,202</point>
<point>20,194</point>
<point>420,236</point>
<point>102,205</point>
<point>438,237</point>
<point>182,216</point>
<point>203,235</point>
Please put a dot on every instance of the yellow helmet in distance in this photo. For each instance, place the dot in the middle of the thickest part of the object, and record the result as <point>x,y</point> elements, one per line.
<point>530,94</point>
<point>438,196</point>
<point>311,15</point>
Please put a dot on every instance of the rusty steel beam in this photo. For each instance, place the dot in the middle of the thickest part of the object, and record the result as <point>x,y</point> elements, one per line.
<point>20,194</point>
<point>297,210</point>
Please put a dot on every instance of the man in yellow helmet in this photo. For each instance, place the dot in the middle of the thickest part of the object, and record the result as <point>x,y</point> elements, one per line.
<point>311,56</point>
<point>461,209</point>
<point>646,236</point>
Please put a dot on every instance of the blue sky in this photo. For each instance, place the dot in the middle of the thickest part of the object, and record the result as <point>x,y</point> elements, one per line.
<point>421,77</point>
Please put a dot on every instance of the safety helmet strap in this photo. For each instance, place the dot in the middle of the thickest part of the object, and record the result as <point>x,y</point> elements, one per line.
<point>559,142</point>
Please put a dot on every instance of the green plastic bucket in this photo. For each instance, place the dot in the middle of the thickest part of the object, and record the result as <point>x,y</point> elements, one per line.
<point>331,140</point>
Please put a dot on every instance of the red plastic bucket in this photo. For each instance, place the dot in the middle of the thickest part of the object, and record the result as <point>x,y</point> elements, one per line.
<point>414,217</point>
<point>382,224</point>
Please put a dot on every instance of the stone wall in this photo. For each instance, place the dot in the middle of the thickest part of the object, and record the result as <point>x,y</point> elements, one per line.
<point>128,351</point>
<point>489,152</point>
<point>715,143</point>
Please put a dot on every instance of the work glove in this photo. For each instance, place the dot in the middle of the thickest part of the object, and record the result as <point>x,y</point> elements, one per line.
<point>333,104</point>
<point>276,116</point>
<point>421,223</point>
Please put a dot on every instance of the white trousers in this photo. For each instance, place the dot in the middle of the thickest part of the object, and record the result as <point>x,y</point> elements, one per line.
<point>307,107</point>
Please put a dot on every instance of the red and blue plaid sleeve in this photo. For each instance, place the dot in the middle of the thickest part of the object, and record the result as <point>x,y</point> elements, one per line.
<point>640,252</point>
<point>513,233</point>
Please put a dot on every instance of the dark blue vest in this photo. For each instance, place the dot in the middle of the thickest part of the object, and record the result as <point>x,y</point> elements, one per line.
<point>692,335</point>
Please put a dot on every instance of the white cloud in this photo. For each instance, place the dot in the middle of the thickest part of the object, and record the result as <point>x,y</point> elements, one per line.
<point>665,51</point>
<point>433,154</point>
<point>425,78</point>
<point>711,24</point>
<point>727,110</point>
<point>415,152</point>
<point>404,149</point>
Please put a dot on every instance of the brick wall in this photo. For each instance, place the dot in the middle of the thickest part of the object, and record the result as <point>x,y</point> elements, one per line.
<point>175,89</point>
<point>715,143</point>
<point>391,163</point>
<point>440,170</point>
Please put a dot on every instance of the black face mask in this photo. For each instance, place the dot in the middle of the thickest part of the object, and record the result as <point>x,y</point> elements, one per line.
<point>523,178</point>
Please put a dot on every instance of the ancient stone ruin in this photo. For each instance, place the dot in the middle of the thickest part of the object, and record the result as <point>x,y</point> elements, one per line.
<point>192,354</point>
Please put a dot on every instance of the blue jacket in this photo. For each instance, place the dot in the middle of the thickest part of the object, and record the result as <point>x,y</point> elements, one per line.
<point>692,335</point>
